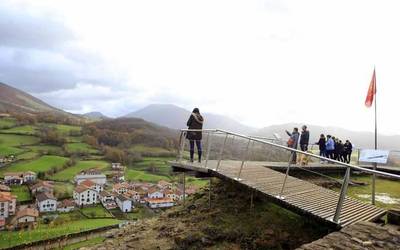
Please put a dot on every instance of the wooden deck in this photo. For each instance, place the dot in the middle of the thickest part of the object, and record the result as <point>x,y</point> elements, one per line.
<point>300,196</point>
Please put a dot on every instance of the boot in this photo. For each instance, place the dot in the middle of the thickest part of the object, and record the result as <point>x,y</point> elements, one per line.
<point>191,155</point>
<point>199,156</point>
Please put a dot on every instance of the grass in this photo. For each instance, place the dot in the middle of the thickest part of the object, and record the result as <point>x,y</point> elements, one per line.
<point>96,211</point>
<point>22,192</point>
<point>387,191</point>
<point>151,151</point>
<point>138,175</point>
<point>66,129</point>
<point>84,243</point>
<point>63,190</point>
<point>69,173</point>
<point>9,143</point>
<point>199,183</point>
<point>44,231</point>
<point>27,156</point>
<point>23,130</point>
<point>41,164</point>
<point>7,123</point>
<point>154,165</point>
<point>80,147</point>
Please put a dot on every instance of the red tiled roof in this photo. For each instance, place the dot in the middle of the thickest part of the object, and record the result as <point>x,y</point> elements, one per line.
<point>158,200</point>
<point>27,212</point>
<point>88,183</point>
<point>7,196</point>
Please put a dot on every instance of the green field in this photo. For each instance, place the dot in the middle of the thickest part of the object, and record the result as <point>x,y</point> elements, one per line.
<point>138,175</point>
<point>9,143</point>
<point>22,193</point>
<point>63,190</point>
<point>13,238</point>
<point>96,211</point>
<point>23,130</point>
<point>41,164</point>
<point>7,123</point>
<point>80,147</point>
<point>154,165</point>
<point>27,156</point>
<point>66,129</point>
<point>152,151</point>
<point>69,173</point>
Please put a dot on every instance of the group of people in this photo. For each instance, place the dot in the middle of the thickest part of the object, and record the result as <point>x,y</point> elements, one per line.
<point>329,146</point>
<point>333,148</point>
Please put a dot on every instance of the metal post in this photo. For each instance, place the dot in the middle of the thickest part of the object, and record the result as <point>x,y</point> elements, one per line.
<point>209,192</point>
<point>179,157</point>
<point>373,185</point>
<point>182,146</point>
<point>209,143</point>
<point>342,196</point>
<point>358,157</point>
<point>251,199</point>
<point>280,196</point>
<point>221,153</point>
<point>184,188</point>
<point>244,159</point>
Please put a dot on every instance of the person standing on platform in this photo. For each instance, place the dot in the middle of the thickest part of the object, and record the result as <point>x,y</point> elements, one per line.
<point>322,146</point>
<point>292,143</point>
<point>304,138</point>
<point>348,149</point>
<point>330,147</point>
<point>195,122</point>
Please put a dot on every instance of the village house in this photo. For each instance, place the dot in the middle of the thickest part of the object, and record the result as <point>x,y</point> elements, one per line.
<point>66,206</point>
<point>121,188</point>
<point>154,193</point>
<point>133,195</point>
<point>93,175</point>
<point>25,218</point>
<point>124,203</point>
<point>2,223</point>
<point>118,177</point>
<point>107,199</point>
<point>46,202</point>
<point>4,188</point>
<point>7,204</point>
<point>117,167</point>
<point>84,195</point>
<point>92,185</point>
<point>159,202</point>
<point>164,184</point>
<point>42,187</point>
<point>18,178</point>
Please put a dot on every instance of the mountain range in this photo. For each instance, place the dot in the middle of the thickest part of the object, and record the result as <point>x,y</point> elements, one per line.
<point>13,100</point>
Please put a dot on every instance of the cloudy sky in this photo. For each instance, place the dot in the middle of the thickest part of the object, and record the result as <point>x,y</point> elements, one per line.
<point>260,62</point>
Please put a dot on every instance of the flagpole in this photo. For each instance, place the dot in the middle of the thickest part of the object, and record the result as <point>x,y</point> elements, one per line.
<point>376,143</point>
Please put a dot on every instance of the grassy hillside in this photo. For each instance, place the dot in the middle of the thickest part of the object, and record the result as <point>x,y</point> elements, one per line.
<point>41,164</point>
<point>69,173</point>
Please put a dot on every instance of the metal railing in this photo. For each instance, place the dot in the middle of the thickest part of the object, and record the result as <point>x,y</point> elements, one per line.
<point>251,140</point>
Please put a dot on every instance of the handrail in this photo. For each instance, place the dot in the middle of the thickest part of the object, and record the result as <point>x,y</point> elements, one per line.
<point>293,151</point>
<point>371,171</point>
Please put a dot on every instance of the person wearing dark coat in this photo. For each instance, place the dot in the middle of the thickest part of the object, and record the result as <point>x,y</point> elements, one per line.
<point>304,138</point>
<point>195,122</point>
<point>292,143</point>
<point>340,151</point>
<point>322,145</point>
<point>348,149</point>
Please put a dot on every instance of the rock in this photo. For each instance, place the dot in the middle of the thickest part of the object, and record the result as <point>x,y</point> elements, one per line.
<point>367,243</point>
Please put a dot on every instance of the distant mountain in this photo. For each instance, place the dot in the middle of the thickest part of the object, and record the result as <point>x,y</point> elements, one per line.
<point>95,115</point>
<point>176,117</point>
<point>358,138</point>
<point>13,100</point>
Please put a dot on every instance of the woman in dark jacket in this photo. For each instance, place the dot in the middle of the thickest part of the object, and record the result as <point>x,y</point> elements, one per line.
<point>195,122</point>
<point>322,145</point>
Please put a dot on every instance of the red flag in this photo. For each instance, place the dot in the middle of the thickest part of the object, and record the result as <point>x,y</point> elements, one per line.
<point>371,91</point>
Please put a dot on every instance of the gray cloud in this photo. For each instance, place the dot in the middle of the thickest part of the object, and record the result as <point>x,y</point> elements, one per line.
<point>38,53</point>
<point>19,28</point>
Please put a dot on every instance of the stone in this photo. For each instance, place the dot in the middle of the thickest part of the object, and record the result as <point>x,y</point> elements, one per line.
<point>367,243</point>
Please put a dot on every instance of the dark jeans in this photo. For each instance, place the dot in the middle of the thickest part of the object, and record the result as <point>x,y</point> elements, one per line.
<point>322,153</point>
<point>304,147</point>
<point>329,154</point>
<point>348,157</point>
<point>199,149</point>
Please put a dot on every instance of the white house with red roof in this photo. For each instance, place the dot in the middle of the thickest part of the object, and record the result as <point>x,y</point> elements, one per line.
<point>159,202</point>
<point>46,202</point>
<point>84,195</point>
<point>7,204</point>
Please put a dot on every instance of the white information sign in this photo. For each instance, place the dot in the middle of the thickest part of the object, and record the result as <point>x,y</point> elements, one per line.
<point>374,156</point>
